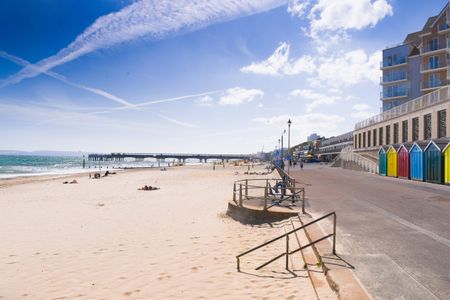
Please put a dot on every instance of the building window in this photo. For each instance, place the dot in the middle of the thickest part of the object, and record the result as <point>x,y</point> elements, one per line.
<point>374,137</point>
<point>427,127</point>
<point>405,131</point>
<point>381,136</point>
<point>388,134</point>
<point>359,140</point>
<point>442,123</point>
<point>364,140</point>
<point>395,133</point>
<point>432,45</point>
<point>433,62</point>
<point>434,80</point>
<point>368,138</point>
<point>415,129</point>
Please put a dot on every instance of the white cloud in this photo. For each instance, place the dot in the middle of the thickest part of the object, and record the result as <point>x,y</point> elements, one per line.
<point>362,111</point>
<point>331,20</point>
<point>152,19</point>
<point>314,99</point>
<point>303,125</point>
<point>205,101</point>
<point>237,96</point>
<point>350,68</point>
<point>298,7</point>
<point>331,15</point>
<point>280,64</point>
<point>361,107</point>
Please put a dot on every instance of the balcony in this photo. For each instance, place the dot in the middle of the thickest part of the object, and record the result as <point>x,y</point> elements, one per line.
<point>392,64</point>
<point>431,85</point>
<point>431,67</point>
<point>434,49</point>
<point>394,78</point>
<point>422,102</point>
<point>443,28</point>
<point>391,95</point>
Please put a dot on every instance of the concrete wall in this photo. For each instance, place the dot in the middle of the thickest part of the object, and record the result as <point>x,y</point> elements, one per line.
<point>433,110</point>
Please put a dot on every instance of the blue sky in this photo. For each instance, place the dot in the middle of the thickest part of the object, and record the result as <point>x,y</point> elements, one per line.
<point>192,76</point>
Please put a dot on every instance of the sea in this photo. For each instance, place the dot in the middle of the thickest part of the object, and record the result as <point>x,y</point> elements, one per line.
<point>34,165</point>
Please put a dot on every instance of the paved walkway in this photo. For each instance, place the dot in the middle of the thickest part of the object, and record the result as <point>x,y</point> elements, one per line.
<point>395,232</point>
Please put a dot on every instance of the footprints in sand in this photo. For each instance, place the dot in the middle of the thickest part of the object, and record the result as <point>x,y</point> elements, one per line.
<point>163,276</point>
<point>131,292</point>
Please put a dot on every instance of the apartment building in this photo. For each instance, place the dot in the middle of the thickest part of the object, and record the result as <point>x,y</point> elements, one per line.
<point>419,64</point>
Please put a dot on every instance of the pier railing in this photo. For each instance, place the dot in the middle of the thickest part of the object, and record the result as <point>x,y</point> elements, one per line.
<point>288,251</point>
<point>266,190</point>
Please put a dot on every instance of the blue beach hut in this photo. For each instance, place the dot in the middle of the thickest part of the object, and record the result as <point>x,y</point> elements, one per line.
<point>416,162</point>
<point>382,161</point>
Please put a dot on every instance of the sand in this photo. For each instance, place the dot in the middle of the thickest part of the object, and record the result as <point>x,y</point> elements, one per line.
<point>104,239</point>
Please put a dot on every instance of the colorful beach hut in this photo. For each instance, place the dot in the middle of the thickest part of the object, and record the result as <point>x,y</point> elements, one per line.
<point>434,161</point>
<point>391,161</point>
<point>416,161</point>
<point>382,160</point>
<point>446,154</point>
<point>403,160</point>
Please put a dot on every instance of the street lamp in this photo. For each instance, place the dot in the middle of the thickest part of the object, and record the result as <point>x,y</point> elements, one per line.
<point>282,149</point>
<point>289,144</point>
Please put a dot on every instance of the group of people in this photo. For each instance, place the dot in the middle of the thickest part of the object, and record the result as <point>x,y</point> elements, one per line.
<point>148,188</point>
<point>97,175</point>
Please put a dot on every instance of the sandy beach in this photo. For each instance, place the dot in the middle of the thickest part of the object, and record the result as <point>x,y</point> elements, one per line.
<point>104,239</point>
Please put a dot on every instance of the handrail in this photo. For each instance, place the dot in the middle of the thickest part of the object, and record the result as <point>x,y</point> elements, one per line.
<point>286,235</point>
<point>242,187</point>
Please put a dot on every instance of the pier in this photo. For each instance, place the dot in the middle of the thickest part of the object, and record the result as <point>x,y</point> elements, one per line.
<point>182,157</point>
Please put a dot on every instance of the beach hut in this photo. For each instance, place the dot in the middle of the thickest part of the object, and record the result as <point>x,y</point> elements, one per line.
<point>403,160</point>
<point>391,161</point>
<point>382,160</point>
<point>416,162</point>
<point>446,154</point>
<point>434,161</point>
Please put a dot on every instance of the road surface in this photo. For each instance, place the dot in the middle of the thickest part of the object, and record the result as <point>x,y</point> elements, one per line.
<point>395,232</point>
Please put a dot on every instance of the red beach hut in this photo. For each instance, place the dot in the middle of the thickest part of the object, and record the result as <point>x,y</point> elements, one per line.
<point>403,161</point>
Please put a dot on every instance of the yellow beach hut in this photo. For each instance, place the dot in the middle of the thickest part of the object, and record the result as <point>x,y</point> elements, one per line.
<point>392,161</point>
<point>446,154</point>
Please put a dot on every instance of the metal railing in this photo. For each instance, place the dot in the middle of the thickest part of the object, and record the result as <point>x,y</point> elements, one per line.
<point>441,95</point>
<point>262,189</point>
<point>290,182</point>
<point>288,252</point>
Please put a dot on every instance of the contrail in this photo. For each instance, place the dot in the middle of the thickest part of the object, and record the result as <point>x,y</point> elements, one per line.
<point>151,19</point>
<point>19,61</point>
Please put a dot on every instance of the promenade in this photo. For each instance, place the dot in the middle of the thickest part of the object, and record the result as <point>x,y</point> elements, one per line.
<point>395,232</point>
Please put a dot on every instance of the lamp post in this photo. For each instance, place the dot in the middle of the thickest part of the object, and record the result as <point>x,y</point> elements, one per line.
<point>282,148</point>
<point>289,144</point>
<point>279,148</point>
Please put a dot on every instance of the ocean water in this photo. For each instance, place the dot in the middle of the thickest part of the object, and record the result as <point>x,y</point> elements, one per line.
<point>30,165</point>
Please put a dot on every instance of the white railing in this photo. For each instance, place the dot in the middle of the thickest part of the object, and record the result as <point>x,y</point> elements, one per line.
<point>347,155</point>
<point>440,95</point>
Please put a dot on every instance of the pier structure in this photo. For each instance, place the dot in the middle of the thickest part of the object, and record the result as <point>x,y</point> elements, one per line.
<point>181,157</point>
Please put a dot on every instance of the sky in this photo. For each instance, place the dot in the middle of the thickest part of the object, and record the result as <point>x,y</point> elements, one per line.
<point>192,76</point>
